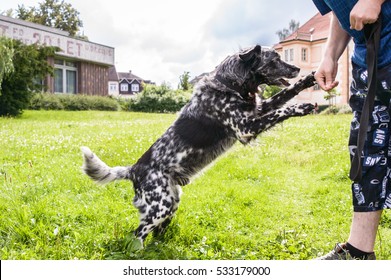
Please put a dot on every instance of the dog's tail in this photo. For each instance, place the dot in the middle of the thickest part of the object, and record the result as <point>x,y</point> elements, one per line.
<point>98,171</point>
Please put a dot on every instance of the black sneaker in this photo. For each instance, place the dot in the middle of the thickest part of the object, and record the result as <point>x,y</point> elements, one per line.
<point>341,253</point>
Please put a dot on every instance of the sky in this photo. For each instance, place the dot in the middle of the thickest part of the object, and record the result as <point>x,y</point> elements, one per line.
<point>159,40</point>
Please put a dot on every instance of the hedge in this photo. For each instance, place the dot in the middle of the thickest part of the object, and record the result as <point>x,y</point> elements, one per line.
<point>153,99</point>
<point>70,102</point>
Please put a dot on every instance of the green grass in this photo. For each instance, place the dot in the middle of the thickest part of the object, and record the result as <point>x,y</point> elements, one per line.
<point>286,196</point>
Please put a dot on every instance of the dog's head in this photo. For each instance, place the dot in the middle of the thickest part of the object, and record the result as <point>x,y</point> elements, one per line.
<point>254,66</point>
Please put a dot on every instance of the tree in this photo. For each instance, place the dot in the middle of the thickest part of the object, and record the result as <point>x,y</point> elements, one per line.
<point>330,96</point>
<point>52,13</point>
<point>6,54</point>
<point>7,13</point>
<point>30,66</point>
<point>284,33</point>
<point>184,81</point>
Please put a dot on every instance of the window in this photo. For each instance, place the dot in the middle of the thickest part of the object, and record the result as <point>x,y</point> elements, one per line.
<point>288,55</point>
<point>291,54</point>
<point>304,54</point>
<point>135,87</point>
<point>113,87</point>
<point>65,78</point>
<point>124,87</point>
<point>58,81</point>
<point>70,81</point>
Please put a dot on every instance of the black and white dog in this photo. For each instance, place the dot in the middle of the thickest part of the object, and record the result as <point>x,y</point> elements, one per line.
<point>223,109</point>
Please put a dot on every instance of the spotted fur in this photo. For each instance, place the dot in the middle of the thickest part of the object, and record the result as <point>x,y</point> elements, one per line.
<point>223,109</point>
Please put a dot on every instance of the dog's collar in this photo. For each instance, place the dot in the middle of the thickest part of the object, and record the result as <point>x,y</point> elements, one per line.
<point>231,85</point>
<point>235,87</point>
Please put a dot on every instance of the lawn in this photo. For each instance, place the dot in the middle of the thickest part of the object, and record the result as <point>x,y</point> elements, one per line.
<point>285,196</point>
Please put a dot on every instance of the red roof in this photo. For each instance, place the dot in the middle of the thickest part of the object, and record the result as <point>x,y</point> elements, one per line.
<point>317,28</point>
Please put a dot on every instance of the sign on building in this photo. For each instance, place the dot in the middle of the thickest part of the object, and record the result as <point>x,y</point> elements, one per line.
<point>30,33</point>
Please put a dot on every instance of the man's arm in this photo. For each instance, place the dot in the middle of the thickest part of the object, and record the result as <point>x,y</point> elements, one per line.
<point>336,43</point>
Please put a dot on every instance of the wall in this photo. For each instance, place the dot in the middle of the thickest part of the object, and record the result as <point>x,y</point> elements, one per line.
<point>93,79</point>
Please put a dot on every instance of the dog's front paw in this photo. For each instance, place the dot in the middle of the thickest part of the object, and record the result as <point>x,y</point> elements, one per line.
<point>300,109</point>
<point>305,109</point>
<point>307,81</point>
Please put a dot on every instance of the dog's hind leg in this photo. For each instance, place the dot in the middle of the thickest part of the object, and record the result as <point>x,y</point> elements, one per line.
<point>160,229</point>
<point>156,209</point>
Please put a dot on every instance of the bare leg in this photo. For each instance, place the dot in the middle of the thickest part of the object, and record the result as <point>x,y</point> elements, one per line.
<point>363,230</point>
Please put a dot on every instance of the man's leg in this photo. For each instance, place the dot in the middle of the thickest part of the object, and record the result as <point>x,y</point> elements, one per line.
<point>361,242</point>
<point>364,229</point>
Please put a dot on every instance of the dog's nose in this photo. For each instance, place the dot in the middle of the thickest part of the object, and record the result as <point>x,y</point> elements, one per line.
<point>294,71</point>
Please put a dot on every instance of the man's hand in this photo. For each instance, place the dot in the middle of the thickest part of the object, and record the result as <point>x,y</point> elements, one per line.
<point>326,73</point>
<point>365,12</point>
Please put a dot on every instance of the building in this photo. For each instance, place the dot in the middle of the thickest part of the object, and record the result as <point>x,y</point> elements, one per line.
<point>305,48</point>
<point>130,84</point>
<point>113,82</point>
<point>125,84</point>
<point>80,67</point>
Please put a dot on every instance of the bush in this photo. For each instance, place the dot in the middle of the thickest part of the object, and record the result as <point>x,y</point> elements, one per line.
<point>153,99</point>
<point>270,91</point>
<point>157,99</point>
<point>69,102</point>
<point>45,102</point>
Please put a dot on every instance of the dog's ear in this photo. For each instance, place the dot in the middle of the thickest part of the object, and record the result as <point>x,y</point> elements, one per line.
<point>250,54</point>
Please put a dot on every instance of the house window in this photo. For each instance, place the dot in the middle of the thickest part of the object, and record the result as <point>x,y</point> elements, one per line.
<point>288,55</point>
<point>58,80</point>
<point>113,87</point>
<point>291,55</point>
<point>304,54</point>
<point>135,87</point>
<point>124,87</point>
<point>65,76</point>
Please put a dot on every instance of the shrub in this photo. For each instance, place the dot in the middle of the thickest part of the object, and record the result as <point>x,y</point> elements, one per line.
<point>45,102</point>
<point>270,91</point>
<point>157,99</point>
<point>48,101</point>
<point>153,99</point>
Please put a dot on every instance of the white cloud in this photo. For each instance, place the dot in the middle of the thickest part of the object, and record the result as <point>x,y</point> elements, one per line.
<point>159,40</point>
